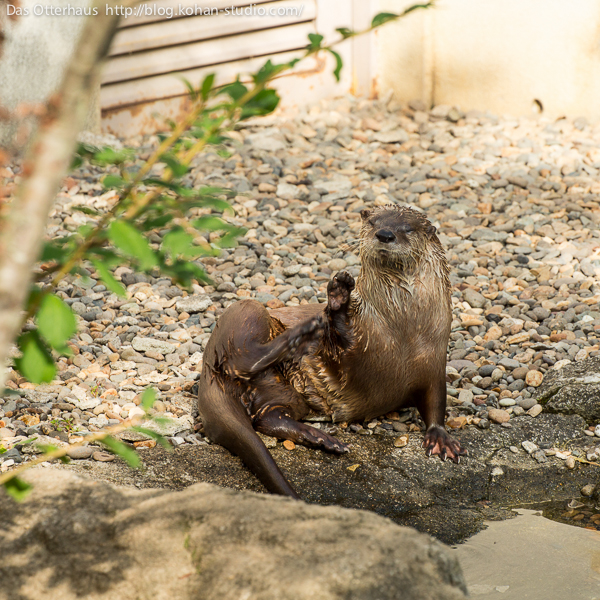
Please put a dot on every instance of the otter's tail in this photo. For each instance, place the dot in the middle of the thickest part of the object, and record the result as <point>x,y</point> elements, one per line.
<point>227,423</point>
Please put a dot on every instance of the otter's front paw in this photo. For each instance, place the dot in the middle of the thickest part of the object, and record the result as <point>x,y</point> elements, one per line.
<point>438,441</point>
<point>338,290</point>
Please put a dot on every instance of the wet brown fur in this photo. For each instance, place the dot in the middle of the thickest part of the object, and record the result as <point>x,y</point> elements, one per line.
<point>371,350</point>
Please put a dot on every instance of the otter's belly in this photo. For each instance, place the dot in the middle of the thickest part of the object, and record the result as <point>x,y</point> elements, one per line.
<point>371,384</point>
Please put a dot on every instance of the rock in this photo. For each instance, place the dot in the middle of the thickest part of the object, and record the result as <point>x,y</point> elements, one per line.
<point>535,410</point>
<point>570,462</point>
<point>83,400</point>
<point>474,298</point>
<point>529,447</point>
<point>534,378</point>
<point>401,441</point>
<point>133,436</point>
<point>588,490</point>
<point>6,433</point>
<point>493,333</point>
<point>287,191</point>
<point>143,551</point>
<point>465,396</point>
<point>338,185</point>
<point>42,441</point>
<point>527,403</point>
<point>172,427</point>
<point>265,142</point>
<point>194,304</point>
<point>103,456</point>
<point>152,345</point>
<point>509,363</point>
<point>397,136</point>
<point>456,422</point>
<point>29,420</point>
<point>497,415</point>
<point>573,390</point>
<point>80,452</point>
<point>459,365</point>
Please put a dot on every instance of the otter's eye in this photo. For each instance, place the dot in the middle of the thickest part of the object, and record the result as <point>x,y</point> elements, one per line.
<point>405,228</point>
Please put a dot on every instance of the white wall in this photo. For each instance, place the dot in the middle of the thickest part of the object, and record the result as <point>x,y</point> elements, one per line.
<point>35,53</point>
<point>498,55</point>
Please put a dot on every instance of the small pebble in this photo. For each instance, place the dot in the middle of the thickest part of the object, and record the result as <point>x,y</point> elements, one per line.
<point>103,456</point>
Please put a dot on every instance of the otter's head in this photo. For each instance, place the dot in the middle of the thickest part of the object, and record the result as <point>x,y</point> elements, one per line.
<point>395,237</point>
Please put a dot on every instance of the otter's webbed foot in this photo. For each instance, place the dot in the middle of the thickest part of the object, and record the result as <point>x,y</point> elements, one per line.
<point>338,291</point>
<point>305,334</point>
<point>439,441</point>
<point>274,421</point>
<point>291,342</point>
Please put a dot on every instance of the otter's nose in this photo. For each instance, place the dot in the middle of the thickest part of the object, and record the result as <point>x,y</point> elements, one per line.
<point>385,236</point>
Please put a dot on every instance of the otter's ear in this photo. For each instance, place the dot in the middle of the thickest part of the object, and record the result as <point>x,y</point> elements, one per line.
<point>365,214</point>
<point>431,231</point>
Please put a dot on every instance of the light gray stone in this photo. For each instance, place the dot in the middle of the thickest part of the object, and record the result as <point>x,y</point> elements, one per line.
<point>193,304</point>
<point>152,345</point>
<point>231,545</point>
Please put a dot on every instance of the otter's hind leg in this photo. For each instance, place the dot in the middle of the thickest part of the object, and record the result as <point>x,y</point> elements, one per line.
<point>275,421</point>
<point>278,408</point>
<point>240,350</point>
<point>227,423</point>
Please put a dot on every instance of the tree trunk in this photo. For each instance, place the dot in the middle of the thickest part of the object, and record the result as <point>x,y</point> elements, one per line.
<point>45,165</point>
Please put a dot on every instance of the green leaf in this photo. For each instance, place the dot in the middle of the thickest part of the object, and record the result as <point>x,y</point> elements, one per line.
<point>110,156</point>
<point>207,85</point>
<point>53,252</point>
<point>268,71</point>
<point>82,152</point>
<point>177,168</point>
<point>263,103</point>
<point>193,93</point>
<point>416,7</point>
<point>109,279</point>
<point>177,242</point>
<point>107,256</point>
<point>345,32</point>
<point>154,435</point>
<point>132,243</point>
<point>209,223</point>
<point>230,239</point>
<point>155,222</point>
<point>56,321</point>
<point>122,450</point>
<point>338,64</point>
<point>8,392</point>
<point>85,210</point>
<point>315,42</point>
<point>17,488</point>
<point>85,230</point>
<point>46,448</point>
<point>148,398</point>
<point>36,363</point>
<point>113,181</point>
<point>382,18</point>
<point>235,90</point>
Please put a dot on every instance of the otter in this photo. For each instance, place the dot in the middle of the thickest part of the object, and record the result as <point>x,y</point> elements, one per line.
<point>377,345</point>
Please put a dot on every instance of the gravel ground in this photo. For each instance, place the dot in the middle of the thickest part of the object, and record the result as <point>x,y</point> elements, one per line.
<point>515,202</point>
